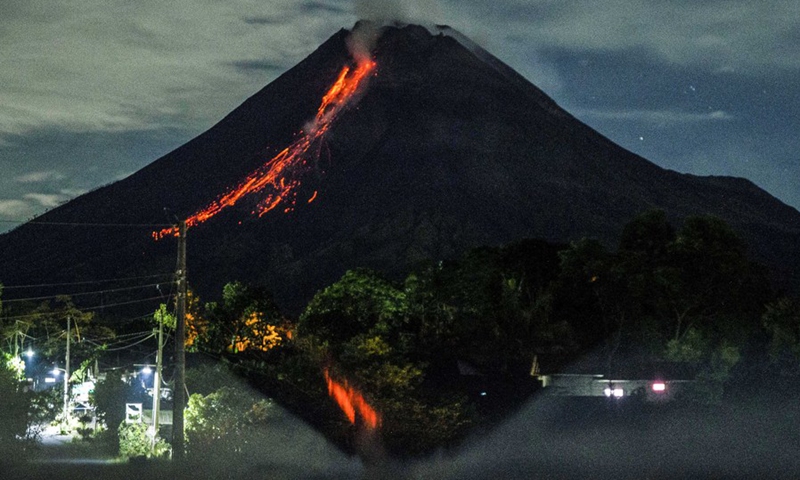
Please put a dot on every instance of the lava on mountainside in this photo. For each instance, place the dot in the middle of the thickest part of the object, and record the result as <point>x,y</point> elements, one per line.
<point>282,173</point>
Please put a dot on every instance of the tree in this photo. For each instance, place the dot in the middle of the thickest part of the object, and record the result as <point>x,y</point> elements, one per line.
<point>771,363</point>
<point>491,308</point>
<point>691,296</point>
<point>781,320</point>
<point>110,397</point>
<point>247,320</point>
<point>588,296</point>
<point>47,322</point>
<point>197,328</point>
<point>16,407</point>
<point>649,235</point>
<point>360,302</point>
<point>135,441</point>
<point>196,324</point>
<point>228,424</point>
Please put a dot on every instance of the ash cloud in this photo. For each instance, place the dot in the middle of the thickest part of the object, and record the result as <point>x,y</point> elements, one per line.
<point>362,40</point>
<point>374,14</point>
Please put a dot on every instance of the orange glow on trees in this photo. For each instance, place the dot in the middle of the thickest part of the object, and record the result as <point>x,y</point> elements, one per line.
<point>196,325</point>
<point>280,176</point>
<point>256,334</point>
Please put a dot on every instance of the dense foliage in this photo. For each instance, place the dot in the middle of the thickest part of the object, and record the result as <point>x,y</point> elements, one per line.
<point>135,440</point>
<point>450,348</point>
<point>227,424</point>
<point>110,397</point>
<point>15,406</point>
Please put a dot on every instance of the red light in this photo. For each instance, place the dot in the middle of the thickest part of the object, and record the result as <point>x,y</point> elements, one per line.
<point>659,387</point>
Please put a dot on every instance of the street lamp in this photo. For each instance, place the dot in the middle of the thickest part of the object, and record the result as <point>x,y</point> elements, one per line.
<point>147,370</point>
<point>56,371</point>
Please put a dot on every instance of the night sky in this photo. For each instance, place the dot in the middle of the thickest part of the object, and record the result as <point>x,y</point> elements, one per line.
<point>94,90</point>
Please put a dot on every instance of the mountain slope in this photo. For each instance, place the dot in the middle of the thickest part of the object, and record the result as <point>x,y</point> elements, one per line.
<point>446,150</point>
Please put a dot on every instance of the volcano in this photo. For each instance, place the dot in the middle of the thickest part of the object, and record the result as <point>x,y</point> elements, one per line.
<point>443,148</point>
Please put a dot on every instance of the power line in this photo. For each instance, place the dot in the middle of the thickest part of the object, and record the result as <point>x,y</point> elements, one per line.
<point>88,224</point>
<point>85,309</point>
<point>120,337</point>
<point>95,292</point>
<point>148,337</point>
<point>87,282</point>
<point>98,307</point>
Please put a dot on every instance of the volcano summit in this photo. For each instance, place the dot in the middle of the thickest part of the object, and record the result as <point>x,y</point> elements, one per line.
<point>439,148</point>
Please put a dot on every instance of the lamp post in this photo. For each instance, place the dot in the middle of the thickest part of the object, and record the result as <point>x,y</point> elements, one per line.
<point>147,370</point>
<point>65,421</point>
<point>27,367</point>
<point>66,379</point>
<point>56,372</point>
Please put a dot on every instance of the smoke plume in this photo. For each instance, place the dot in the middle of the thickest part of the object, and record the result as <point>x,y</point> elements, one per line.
<point>362,40</point>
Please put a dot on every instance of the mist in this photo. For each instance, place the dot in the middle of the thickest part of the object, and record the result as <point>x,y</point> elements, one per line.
<point>596,437</point>
<point>577,437</point>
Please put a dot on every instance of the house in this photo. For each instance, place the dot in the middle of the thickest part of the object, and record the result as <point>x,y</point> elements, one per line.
<point>652,381</point>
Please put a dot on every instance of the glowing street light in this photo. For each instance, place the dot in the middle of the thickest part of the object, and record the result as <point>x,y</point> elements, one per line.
<point>29,353</point>
<point>614,392</point>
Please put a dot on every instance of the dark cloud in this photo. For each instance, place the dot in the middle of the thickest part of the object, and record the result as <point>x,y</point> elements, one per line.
<point>48,166</point>
<point>319,7</point>
<point>261,20</point>
<point>248,66</point>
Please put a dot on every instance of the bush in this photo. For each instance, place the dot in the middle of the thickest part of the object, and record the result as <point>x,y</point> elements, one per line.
<point>225,424</point>
<point>16,408</point>
<point>134,441</point>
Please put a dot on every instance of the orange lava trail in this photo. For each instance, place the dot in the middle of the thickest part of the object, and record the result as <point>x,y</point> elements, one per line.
<point>281,173</point>
<point>351,401</point>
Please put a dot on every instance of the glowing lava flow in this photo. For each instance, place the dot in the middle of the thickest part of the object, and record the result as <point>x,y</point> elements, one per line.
<point>351,401</point>
<point>282,171</point>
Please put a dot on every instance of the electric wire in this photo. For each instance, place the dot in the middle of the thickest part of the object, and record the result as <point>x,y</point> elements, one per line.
<point>87,224</point>
<point>87,282</point>
<point>84,309</point>
<point>78,294</point>
<point>151,335</point>
<point>119,338</point>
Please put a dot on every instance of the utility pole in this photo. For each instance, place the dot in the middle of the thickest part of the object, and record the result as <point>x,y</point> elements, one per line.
<point>66,379</point>
<point>180,350</point>
<point>157,382</point>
